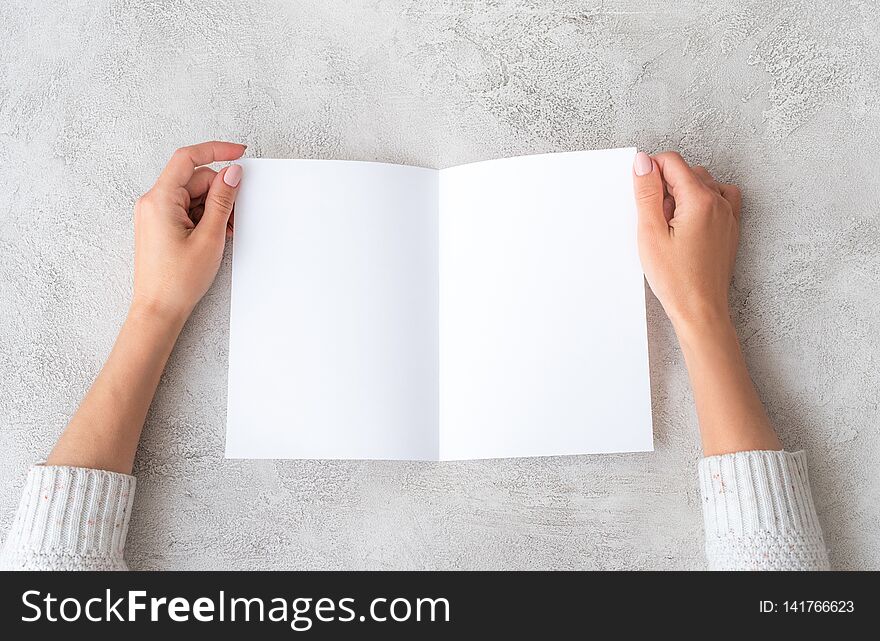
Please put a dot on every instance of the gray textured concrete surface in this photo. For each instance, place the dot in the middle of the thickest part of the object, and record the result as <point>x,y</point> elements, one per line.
<point>781,97</point>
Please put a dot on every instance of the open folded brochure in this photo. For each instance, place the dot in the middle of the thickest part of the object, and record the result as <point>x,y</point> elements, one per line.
<point>383,311</point>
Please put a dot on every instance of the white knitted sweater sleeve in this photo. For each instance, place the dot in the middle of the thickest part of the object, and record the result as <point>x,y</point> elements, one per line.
<point>70,518</point>
<point>759,513</point>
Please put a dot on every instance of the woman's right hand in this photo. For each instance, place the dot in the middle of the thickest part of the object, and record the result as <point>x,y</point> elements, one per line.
<point>688,234</point>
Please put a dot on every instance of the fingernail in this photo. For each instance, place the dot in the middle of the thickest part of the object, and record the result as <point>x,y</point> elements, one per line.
<point>643,165</point>
<point>233,175</point>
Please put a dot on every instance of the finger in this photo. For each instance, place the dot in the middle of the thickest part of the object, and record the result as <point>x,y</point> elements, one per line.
<point>183,163</point>
<point>668,208</point>
<point>703,174</point>
<point>230,226</point>
<point>733,195</point>
<point>200,182</point>
<point>196,213</point>
<point>679,177</point>
<point>648,190</point>
<point>220,201</point>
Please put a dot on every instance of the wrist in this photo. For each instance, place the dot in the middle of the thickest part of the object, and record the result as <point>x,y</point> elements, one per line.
<point>704,329</point>
<point>168,317</point>
<point>699,317</point>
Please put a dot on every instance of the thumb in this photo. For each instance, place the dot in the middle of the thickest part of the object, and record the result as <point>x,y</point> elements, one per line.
<point>219,202</point>
<point>648,190</point>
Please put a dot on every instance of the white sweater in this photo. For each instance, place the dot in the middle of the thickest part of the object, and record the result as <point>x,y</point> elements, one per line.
<point>757,507</point>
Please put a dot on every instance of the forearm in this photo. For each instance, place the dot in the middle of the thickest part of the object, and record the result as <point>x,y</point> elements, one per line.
<point>104,432</point>
<point>731,415</point>
<point>757,507</point>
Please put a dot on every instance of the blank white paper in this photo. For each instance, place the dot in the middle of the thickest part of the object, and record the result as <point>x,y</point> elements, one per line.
<point>543,345</point>
<point>333,328</point>
<point>391,312</point>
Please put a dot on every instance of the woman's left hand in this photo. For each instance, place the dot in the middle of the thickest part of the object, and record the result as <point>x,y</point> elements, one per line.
<point>180,229</point>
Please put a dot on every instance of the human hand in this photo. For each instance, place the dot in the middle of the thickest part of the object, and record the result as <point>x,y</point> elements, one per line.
<point>688,234</point>
<point>180,229</point>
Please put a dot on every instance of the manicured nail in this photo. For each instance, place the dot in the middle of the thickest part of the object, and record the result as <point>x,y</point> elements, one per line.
<point>233,175</point>
<point>643,164</point>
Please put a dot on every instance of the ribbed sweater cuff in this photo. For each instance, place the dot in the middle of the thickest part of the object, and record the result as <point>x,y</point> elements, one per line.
<point>70,517</point>
<point>759,512</point>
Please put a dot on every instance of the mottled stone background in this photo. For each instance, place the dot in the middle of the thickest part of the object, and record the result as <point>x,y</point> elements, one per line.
<point>780,97</point>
